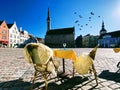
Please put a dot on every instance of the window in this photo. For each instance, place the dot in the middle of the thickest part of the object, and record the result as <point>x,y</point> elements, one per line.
<point>13,31</point>
<point>17,37</point>
<point>20,40</point>
<point>14,41</point>
<point>10,40</point>
<point>3,37</point>
<point>14,36</point>
<point>17,41</point>
<point>10,35</point>
<point>3,31</point>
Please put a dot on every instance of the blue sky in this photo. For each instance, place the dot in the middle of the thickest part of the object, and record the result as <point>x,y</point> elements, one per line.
<point>31,15</point>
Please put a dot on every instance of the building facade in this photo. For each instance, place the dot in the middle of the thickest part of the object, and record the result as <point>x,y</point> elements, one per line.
<point>109,39</point>
<point>78,42</point>
<point>89,41</point>
<point>14,36</point>
<point>23,36</point>
<point>10,36</point>
<point>56,37</point>
<point>4,33</point>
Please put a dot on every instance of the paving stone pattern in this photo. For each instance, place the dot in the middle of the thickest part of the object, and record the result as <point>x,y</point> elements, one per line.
<point>16,73</point>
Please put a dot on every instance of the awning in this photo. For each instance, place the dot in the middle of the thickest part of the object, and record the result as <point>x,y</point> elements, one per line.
<point>4,42</point>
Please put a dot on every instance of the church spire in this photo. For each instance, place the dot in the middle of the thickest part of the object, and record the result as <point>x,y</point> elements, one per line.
<point>103,25</point>
<point>103,30</point>
<point>48,20</point>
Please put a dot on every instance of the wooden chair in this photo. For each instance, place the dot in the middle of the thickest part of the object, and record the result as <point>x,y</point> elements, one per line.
<point>84,64</point>
<point>117,50</point>
<point>118,66</point>
<point>92,55</point>
<point>42,58</point>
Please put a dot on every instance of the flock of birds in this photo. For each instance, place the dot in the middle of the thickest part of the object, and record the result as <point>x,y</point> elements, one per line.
<point>89,19</point>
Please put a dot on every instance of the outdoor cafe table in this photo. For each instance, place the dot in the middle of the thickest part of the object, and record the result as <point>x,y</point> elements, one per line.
<point>65,54</point>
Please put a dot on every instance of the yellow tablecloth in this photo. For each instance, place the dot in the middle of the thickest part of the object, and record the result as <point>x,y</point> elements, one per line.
<point>66,54</point>
<point>116,50</point>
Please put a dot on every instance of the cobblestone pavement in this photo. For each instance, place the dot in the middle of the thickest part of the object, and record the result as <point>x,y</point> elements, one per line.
<point>16,73</point>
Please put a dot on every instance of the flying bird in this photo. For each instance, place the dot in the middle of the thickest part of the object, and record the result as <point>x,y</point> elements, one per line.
<point>75,12</point>
<point>76,21</point>
<point>89,20</point>
<point>98,16</point>
<point>86,24</point>
<point>80,29</point>
<point>80,16</point>
<point>90,17</point>
<point>91,13</point>
<point>81,25</point>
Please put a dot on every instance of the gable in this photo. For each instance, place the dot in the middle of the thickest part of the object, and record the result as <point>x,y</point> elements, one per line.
<point>4,25</point>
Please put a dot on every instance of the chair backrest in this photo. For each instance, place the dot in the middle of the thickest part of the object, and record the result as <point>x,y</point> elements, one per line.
<point>93,52</point>
<point>41,56</point>
<point>83,64</point>
<point>32,50</point>
<point>38,53</point>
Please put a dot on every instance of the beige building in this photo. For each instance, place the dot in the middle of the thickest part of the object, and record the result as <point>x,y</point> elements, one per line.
<point>56,37</point>
<point>89,40</point>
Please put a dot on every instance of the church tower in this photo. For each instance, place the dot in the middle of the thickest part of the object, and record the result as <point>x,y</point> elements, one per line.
<point>48,20</point>
<point>103,30</point>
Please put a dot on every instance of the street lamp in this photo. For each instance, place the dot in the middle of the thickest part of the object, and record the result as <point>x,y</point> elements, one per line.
<point>64,45</point>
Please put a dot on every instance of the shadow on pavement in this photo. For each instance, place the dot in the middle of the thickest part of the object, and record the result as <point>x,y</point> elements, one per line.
<point>17,84</point>
<point>66,84</point>
<point>113,76</point>
<point>69,84</point>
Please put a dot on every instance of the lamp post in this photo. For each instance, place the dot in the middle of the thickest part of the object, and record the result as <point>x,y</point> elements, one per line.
<point>64,45</point>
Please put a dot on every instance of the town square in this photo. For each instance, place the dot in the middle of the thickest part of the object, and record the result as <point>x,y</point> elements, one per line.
<point>60,45</point>
<point>16,73</point>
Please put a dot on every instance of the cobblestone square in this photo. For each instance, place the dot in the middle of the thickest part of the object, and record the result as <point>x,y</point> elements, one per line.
<point>16,73</point>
